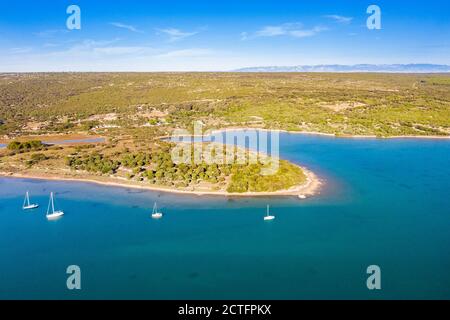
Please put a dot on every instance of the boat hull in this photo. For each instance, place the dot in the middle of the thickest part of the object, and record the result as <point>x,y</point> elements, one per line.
<point>55,215</point>
<point>31,207</point>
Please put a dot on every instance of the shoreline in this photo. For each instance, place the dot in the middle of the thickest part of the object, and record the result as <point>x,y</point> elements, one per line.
<point>53,137</point>
<point>312,133</point>
<point>310,188</point>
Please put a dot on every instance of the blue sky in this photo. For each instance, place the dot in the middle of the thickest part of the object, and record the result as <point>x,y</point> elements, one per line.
<point>138,35</point>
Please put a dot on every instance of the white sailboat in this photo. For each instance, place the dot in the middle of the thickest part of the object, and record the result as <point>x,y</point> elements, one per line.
<point>51,213</point>
<point>26,203</point>
<point>155,213</point>
<point>268,217</point>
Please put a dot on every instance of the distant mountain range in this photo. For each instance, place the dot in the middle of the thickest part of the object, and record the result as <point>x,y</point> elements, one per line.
<point>391,68</point>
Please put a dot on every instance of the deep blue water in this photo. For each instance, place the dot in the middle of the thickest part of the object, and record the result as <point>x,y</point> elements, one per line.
<point>386,203</point>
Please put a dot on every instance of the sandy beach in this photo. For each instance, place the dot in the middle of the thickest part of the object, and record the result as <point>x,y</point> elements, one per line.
<point>310,188</point>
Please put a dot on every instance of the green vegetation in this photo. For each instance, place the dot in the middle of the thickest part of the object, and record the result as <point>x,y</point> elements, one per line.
<point>26,146</point>
<point>159,169</point>
<point>36,158</point>
<point>250,179</point>
<point>358,104</point>
<point>132,110</point>
<point>93,163</point>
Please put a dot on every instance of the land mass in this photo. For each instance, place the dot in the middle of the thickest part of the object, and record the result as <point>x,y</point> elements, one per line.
<point>131,111</point>
<point>107,163</point>
<point>384,68</point>
<point>149,104</point>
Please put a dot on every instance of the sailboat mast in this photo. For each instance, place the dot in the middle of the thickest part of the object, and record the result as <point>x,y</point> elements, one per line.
<point>48,208</point>
<point>53,205</point>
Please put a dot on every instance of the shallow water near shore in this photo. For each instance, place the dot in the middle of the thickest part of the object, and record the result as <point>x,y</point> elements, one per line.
<point>385,203</point>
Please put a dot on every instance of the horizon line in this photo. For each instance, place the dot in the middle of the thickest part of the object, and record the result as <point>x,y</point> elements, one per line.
<point>255,69</point>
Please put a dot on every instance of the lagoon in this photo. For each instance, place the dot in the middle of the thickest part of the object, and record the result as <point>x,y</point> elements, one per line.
<point>385,202</point>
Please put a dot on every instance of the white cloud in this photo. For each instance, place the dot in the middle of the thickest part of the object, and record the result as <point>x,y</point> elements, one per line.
<point>339,19</point>
<point>272,31</point>
<point>186,53</point>
<point>99,56</point>
<point>307,33</point>
<point>119,50</point>
<point>295,30</point>
<point>50,45</point>
<point>21,50</point>
<point>90,49</point>
<point>126,26</point>
<point>176,34</point>
<point>50,33</point>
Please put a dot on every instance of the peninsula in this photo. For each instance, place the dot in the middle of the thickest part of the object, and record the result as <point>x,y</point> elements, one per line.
<point>106,127</point>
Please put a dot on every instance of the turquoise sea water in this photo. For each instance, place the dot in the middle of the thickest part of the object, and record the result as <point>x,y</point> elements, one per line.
<point>385,203</point>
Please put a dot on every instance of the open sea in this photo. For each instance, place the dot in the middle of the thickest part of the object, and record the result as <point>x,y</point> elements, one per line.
<point>385,203</point>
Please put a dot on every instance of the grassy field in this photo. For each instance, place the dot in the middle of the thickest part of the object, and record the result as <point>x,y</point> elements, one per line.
<point>343,104</point>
